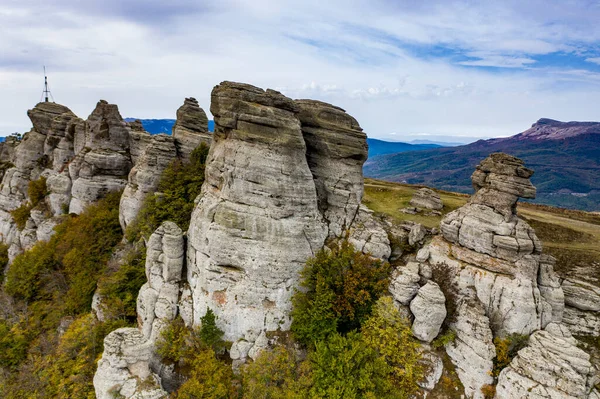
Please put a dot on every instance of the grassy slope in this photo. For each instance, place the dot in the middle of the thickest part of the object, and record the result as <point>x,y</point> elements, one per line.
<point>573,237</point>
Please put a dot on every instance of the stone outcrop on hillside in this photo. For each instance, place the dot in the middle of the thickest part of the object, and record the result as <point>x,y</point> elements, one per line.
<point>129,365</point>
<point>281,177</point>
<point>491,263</point>
<point>82,161</point>
<point>582,310</point>
<point>144,177</point>
<point>191,128</point>
<point>550,366</point>
<point>427,198</point>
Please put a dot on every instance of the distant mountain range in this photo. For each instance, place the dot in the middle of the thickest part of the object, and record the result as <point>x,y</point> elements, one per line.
<point>564,155</point>
<point>156,126</point>
<point>376,147</point>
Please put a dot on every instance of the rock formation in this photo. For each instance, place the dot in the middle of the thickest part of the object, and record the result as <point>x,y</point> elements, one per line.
<point>427,198</point>
<point>281,177</point>
<point>550,366</point>
<point>582,306</point>
<point>429,310</point>
<point>82,161</point>
<point>129,365</point>
<point>491,263</point>
<point>191,128</point>
<point>145,176</point>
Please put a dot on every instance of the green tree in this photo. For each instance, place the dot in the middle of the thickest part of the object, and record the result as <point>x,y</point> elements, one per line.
<point>339,286</point>
<point>179,186</point>
<point>277,374</point>
<point>387,332</point>
<point>346,367</point>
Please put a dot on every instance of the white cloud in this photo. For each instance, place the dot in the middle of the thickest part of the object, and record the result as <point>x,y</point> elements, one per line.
<point>376,59</point>
<point>595,60</point>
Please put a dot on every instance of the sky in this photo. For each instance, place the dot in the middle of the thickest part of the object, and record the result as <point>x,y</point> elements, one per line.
<point>405,69</point>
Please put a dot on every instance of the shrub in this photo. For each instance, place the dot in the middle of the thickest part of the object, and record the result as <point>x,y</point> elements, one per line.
<point>28,274</point>
<point>73,364</point>
<point>445,279</point>
<point>119,290</point>
<point>209,378</point>
<point>506,349</point>
<point>444,339</point>
<point>37,191</point>
<point>3,260</point>
<point>277,374</point>
<point>21,215</point>
<point>390,335</point>
<point>191,351</point>
<point>13,345</point>
<point>179,186</point>
<point>339,287</point>
<point>346,367</point>
<point>488,391</point>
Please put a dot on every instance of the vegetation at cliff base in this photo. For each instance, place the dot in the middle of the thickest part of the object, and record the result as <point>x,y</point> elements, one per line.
<point>179,186</point>
<point>50,342</point>
<point>340,286</point>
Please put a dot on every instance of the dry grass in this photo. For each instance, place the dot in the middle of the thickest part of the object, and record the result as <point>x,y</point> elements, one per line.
<point>573,237</point>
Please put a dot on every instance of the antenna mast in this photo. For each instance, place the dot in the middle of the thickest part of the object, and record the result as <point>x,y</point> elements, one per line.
<point>46,93</point>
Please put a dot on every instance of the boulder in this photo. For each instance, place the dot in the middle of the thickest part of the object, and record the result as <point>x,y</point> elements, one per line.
<point>404,283</point>
<point>426,198</point>
<point>429,310</point>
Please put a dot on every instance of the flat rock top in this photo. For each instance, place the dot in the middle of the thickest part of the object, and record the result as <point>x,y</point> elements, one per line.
<point>252,94</point>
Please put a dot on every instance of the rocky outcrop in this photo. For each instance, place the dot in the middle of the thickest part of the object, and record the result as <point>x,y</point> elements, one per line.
<point>191,128</point>
<point>427,198</point>
<point>257,220</point>
<point>429,310</point>
<point>145,176</point>
<point>473,350</point>
<point>129,365</point>
<point>103,163</point>
<point>582,310</point>
<point>491,263</point>
<point>281,177</point>
<point>336,149</point>
<point>550,366</point>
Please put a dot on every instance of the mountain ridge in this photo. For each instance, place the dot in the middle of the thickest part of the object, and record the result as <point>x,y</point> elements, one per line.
<point>566,156</point>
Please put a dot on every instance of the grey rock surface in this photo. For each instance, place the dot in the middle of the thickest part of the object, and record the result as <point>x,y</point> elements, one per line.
<point>550,366</point>
<point>429,310</point>
<point>145,176</point>
<point>426,198</point>
<point>129,360</point>
<point>191,128</point>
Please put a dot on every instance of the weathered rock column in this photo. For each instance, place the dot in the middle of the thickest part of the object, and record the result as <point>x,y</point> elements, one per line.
<point>257,219</point>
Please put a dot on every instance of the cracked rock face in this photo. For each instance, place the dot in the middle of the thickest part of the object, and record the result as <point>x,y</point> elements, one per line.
<point>281,177</point>
<point>191,128</point>
<point>103,163</point>
<point>550,366</point>
<point>257,219</point>
<point>129,356</point>
<point>336,151</point>
<point>144,177</point>
<point>582,310</point>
